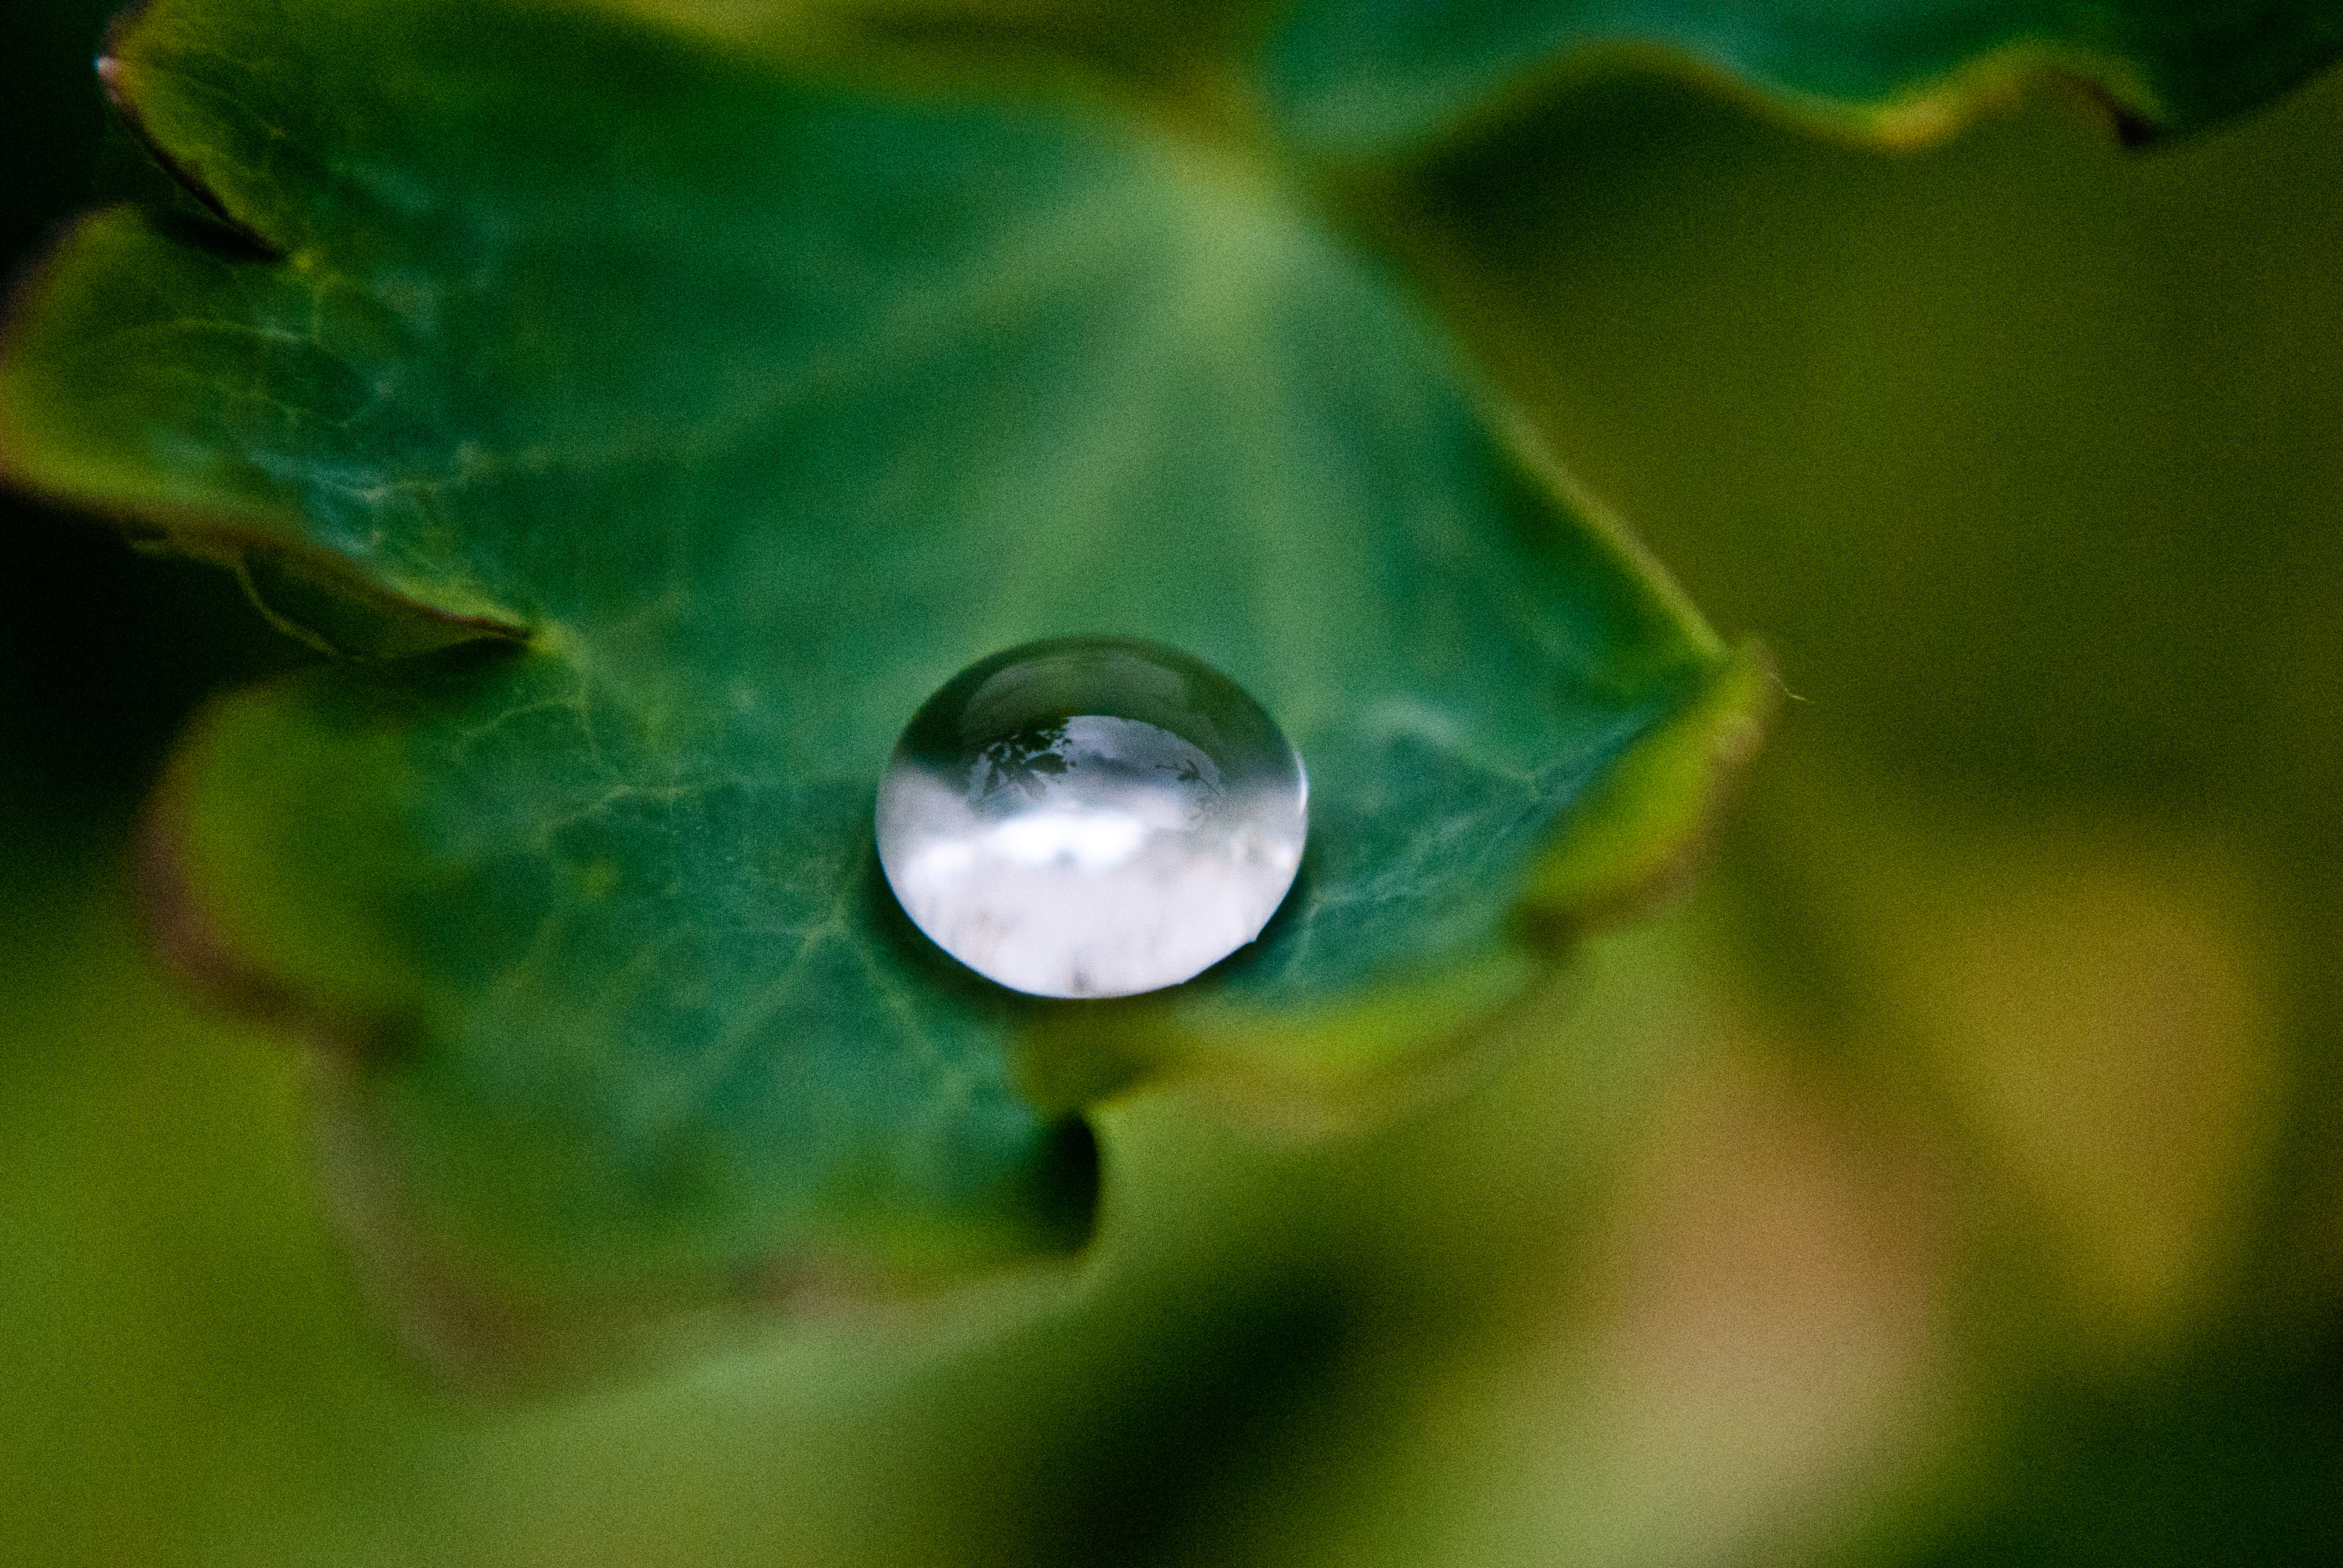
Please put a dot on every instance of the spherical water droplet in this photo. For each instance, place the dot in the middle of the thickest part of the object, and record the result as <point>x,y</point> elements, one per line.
<point>1091,816</point>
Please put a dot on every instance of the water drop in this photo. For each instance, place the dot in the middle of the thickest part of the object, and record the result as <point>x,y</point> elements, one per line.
<point>1092,817</point>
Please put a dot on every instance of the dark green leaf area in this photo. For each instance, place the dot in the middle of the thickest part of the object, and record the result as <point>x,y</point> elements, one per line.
<point>763,404</point>
<point>1362,77</point>
<point>676,1024</point>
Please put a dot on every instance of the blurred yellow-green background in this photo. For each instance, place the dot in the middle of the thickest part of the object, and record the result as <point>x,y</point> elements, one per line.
<point>1950,1177</point>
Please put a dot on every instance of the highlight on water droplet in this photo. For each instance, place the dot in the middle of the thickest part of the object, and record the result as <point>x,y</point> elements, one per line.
<point>1092,817</point>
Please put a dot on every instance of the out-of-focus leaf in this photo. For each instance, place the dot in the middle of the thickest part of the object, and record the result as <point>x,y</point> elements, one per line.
<point>656,430</point>
<point>1354,78</point>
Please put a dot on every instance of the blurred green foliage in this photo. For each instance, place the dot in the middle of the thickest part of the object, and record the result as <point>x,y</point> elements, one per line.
<point>1952,1178</point>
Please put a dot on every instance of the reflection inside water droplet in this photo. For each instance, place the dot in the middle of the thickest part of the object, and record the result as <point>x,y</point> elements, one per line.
<point>1092,817</point>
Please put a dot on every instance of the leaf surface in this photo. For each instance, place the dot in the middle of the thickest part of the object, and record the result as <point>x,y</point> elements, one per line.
<point>656,429</point>
<point>1363,78</point>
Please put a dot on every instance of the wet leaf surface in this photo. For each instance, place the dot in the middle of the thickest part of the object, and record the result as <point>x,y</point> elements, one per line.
<point>654,429</point>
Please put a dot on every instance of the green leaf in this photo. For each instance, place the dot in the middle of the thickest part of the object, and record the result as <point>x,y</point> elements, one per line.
<point>1367,78</point>
<point>659,427</point>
